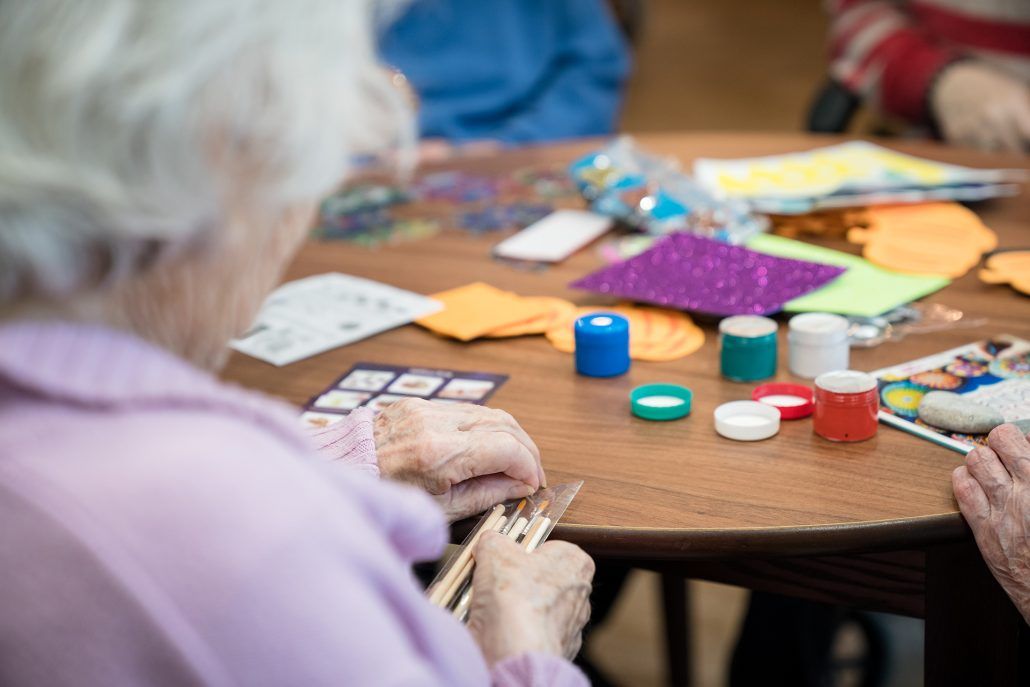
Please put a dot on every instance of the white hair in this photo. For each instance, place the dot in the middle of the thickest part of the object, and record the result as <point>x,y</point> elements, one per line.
<point>126,124</point>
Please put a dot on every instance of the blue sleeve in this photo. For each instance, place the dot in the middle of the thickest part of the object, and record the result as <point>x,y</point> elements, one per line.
<point>582,94</point>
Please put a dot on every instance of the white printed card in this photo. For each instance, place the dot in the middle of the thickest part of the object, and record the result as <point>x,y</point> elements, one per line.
<point>309,316</point>
<point>555,237</point>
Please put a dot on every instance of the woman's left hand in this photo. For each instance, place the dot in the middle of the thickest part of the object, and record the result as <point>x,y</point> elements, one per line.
<point>469,457</point>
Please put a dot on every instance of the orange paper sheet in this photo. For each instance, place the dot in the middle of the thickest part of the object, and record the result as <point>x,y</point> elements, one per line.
<point>476,309</point>
<point>558,310</point>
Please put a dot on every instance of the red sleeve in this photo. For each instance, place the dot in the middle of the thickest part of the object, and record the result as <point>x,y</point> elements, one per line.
<point>881,52</point>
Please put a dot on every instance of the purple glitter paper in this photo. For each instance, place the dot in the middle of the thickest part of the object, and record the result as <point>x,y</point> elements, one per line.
<point>694,273</point>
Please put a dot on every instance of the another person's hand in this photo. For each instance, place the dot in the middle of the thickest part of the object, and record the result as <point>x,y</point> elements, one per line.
<point>432,150</point>
<point>980,106</point>
<point>993,493</point>
<point>529,602</point>
<point>469,457</point>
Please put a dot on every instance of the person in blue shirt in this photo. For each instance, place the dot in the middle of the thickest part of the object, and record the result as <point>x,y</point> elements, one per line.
<point>510,71</point>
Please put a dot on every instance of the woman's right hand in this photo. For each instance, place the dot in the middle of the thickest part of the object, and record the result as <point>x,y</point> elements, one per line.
<point>529,602</point>
<point>469,457</point>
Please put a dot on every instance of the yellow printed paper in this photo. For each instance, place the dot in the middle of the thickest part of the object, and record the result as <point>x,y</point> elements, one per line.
<point>847,167</point>
<point>475,309</point>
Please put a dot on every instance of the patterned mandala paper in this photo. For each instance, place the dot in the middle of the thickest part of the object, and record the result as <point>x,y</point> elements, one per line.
<point>935,379</point>
<point>903,398</point>
<point>1012,367</point>
<point>967,368</point>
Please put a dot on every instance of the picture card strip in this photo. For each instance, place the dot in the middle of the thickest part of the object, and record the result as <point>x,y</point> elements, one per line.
<point>375,386</point>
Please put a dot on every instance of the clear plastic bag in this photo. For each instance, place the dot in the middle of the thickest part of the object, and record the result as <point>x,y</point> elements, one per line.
<point>914,318</point>
<point>528,521</point>
<point>653,194</point>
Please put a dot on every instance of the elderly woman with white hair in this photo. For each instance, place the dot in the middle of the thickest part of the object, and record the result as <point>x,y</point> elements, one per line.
<point>159,164</point>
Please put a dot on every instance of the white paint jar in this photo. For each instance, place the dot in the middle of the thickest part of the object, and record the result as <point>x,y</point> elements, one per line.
<point>818,344</point>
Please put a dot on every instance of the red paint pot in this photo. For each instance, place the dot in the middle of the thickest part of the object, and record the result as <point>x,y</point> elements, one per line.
<point>846,406</point>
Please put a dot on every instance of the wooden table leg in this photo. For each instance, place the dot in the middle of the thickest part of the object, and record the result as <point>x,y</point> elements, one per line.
<point>974,635</point>
<point>676,612</point>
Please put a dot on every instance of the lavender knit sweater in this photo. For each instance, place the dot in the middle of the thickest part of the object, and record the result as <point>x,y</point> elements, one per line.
<point>159,527</point>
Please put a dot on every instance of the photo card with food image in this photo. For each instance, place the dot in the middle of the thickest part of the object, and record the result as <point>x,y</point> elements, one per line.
<point>376,386</point>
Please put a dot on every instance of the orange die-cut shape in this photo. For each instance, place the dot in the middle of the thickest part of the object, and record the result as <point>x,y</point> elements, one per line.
<point>656,334</point>
<point>1011,267</point>
<point>932,238</point>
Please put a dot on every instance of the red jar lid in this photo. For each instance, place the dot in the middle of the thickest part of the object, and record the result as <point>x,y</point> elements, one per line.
<point>794,401</point>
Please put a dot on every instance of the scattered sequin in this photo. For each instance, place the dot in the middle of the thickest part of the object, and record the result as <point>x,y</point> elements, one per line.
<point>500,217</point>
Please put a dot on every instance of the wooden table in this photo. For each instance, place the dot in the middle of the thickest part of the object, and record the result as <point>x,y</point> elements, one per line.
<point>872,525</point>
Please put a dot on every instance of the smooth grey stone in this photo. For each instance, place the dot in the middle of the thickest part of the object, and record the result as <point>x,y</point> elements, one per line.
<point>1024,425</point>
<point>950,411</point>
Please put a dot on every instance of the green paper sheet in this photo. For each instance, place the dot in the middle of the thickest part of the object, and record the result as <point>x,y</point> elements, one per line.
<point>865,290</point>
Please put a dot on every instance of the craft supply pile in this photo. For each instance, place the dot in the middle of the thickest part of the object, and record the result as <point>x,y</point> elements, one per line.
<point>731,248</point>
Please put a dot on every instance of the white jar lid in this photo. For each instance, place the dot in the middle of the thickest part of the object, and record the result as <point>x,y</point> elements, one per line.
<point>818,328</point>
<point>747,420</point>
<point>846,382</point>
<point>747,326</point>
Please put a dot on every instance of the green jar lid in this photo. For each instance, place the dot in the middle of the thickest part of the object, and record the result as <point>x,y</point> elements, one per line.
<point>661,401</point>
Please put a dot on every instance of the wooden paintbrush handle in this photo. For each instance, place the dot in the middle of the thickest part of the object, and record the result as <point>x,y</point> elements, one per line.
<point>436,594</point>
<point>536,534</point>
<point>466,570</point>
<point>515,530</point>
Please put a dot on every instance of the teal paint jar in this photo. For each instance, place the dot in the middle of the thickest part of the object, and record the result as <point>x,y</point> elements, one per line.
<point>747,348</point>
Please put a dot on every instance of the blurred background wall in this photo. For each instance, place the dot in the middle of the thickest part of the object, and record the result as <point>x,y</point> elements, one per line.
<point>724,64</point>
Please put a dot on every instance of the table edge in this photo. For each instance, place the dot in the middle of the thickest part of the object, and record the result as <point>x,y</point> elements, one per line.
<point>831,539</point>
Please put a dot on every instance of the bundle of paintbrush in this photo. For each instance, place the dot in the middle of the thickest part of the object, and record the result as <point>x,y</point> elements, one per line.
<point>528,521</point>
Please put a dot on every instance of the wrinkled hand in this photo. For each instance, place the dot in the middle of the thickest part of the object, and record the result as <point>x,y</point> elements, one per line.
<point>993,493</point>
<point>433,150</point>
<point>524,602</point>
<point>469,457</point>
<point>980,106</point>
